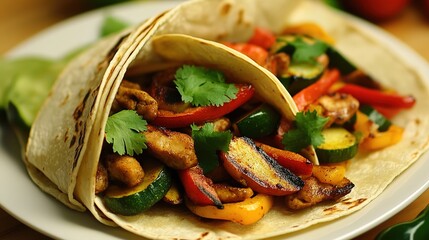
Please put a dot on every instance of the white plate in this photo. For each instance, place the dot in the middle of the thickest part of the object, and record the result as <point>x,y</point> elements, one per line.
<point>21,198</point>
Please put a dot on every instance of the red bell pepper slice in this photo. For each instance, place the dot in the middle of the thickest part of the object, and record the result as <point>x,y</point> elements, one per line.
<point>255,52</point>
<point>263,38</point>
<point>293,161</point>
<point>377,98</point>
<point>191,115</point>
<point>311,93</point>
<point>198,187</point>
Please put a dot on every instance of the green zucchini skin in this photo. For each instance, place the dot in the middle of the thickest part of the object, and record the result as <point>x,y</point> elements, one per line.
<point>282,45</point>
<point>339,145</point>
<point>300,76</point>
<point>338,61</point>
<point>382,122</point>
<point>132,201</point>
<point>261,122</point>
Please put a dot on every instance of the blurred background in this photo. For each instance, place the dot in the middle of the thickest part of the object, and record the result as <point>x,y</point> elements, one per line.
<point>408,20</point>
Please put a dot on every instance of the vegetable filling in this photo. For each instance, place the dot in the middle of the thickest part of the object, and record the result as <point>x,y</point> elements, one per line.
<point>189,135</point>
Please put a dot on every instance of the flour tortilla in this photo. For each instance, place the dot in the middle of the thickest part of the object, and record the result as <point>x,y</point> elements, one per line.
<point>60,135</point>
<point>234,20</point>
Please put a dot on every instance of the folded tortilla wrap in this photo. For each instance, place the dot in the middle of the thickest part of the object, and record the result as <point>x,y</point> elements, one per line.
<point>79,87</point>
<point>66,138</point>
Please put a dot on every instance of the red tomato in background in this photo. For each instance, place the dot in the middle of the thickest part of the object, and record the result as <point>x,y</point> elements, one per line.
<point>375,10</point>
<point>263,38</point>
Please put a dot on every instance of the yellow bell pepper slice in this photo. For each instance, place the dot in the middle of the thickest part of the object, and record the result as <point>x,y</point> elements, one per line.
<point>310,29</point>
<point>363,125</point>
<point>246,212</point>
<point>331,174</point>
<point>381,140</point>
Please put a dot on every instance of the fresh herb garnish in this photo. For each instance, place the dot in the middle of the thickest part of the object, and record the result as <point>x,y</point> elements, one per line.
<point>123,131</point>
<point>307,52</point>
<point>203,87</point>
<point>307,131</point>
<point>25,83</point>
<point>112,25</point>
<point>207,143</point>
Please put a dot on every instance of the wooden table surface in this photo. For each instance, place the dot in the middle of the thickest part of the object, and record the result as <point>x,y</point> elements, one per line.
<point>20,19</point>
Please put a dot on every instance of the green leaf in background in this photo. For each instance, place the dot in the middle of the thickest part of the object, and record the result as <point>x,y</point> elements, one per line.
<point>26,83</point>
<point>333,3</point>
<point>111,25</point>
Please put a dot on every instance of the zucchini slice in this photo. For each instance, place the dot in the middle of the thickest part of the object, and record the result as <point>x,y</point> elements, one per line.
<point>338,61</point>
<point>382,122</point>
<point>131,201</point>
<point>261,122</point>
<point>282,44</point>
<point>339,145</point>
<point>300,76</point>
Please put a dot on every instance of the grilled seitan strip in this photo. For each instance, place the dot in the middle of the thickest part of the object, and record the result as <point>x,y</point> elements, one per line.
<point>175,149</point>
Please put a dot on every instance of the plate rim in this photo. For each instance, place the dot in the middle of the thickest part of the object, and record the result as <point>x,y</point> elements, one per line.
<point>393,43</point>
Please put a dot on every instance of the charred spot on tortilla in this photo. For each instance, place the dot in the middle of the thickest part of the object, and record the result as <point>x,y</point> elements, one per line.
<point>76,156</point>
<point>204,234</point>
<point>353,203</point>
<point>240,19</point>
<point>225,9</point>
<point>221,36</point>
<point>66,135</point>
<point>418,121</point>
<point>331,210</point>
<point>82,133</point>
<point>100,132</point>
<point>115,49</point>
<point>72,141</point>
<point>80,144</point>
<point>65,100</point>
<point>77,114</point>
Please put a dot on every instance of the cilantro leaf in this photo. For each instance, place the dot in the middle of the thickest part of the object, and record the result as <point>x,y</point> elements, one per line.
<point>123,131</point>
<point>307,52</point>
<point>207,142</point>
<point>203,87</point>
<point>308,131</point>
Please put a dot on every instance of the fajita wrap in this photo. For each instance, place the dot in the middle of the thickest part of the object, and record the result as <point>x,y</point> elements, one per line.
<point>98,64</point>
<point>67,150</point>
